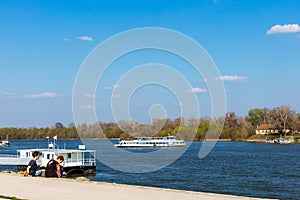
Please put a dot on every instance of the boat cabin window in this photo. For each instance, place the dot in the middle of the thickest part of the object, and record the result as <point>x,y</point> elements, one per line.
<point>48,156</point>
<point>69,155</point>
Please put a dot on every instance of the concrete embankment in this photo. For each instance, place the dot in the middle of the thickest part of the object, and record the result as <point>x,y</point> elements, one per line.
<point>15,185</point>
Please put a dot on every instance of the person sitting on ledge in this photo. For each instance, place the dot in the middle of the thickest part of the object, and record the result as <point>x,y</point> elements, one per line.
<point>32,168</point>
<point>53,168</point>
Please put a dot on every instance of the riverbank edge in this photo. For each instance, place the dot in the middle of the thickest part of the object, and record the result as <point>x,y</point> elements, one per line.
<point>206,140</point>
<point>22,187</point>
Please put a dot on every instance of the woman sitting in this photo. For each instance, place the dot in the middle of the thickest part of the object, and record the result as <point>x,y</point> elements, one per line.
<point>53,168</point>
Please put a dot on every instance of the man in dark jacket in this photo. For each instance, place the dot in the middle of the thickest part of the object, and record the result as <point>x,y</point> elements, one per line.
<point>53,168</point>
<point>32,168</point>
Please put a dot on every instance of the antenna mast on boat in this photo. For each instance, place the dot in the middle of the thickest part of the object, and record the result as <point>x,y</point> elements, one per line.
<point>54,141</point>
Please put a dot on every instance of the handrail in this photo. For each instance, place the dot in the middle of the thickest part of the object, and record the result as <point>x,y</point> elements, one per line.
<point>86,160</point>
<point>79,159</point>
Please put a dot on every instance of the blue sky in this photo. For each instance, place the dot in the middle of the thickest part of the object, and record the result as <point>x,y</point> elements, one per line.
<point>255,45</point>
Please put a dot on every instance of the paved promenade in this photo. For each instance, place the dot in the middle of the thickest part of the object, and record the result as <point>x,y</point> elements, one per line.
<point>40,188</point>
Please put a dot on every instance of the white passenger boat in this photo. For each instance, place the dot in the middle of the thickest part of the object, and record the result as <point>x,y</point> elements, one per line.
<point>151,142</point>
<point>76,161</point>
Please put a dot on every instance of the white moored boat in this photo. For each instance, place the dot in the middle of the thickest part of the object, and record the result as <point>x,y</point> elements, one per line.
<point>284,141</point>
<point>5,142</point>
<point>146,142</point>
<point>76,161</point>
<point>278,141</point>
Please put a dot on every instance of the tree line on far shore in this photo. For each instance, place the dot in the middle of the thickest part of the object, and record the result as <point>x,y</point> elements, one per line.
<point>234,128</point>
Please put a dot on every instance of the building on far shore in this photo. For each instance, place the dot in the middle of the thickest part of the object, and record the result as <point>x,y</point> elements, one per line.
<point>265,129</point>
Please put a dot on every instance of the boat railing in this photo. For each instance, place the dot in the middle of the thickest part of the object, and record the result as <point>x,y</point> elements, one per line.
<point>80,162</point>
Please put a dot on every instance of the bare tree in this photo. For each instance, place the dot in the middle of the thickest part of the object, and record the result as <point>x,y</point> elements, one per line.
<point>284,116</point>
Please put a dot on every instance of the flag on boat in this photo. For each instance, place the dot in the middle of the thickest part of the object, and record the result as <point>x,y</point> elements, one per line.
<point>55,137</point>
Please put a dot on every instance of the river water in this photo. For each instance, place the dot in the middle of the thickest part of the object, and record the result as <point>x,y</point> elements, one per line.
<point>237,168</point>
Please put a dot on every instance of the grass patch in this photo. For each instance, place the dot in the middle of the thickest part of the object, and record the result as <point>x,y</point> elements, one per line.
<point>7,197</point>
<point>257,137</point>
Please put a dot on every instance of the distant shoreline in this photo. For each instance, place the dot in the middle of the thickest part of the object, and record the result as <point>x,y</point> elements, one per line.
<point>207,140</point>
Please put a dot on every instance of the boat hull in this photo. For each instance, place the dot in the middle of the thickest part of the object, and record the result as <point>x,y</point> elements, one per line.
<point>5,143</point>
<point>76,170</point>
<point>147,146</point>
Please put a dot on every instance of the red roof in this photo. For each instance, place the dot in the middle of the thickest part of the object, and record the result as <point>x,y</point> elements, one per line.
<point>266,127</point>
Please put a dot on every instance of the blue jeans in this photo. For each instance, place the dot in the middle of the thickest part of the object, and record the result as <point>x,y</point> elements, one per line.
<point>38,172</point>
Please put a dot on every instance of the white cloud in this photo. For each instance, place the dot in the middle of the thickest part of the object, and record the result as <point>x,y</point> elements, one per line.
<point>107,88</point>
<point>118,86</point>
<point>41,95</point>
<point>117,96</point>
<point>90,96</point>
<point>198,90</point>
<point>287,28</point>
<point>86,107</point>
<point>231,78</point>
<point>10,95</point>
<point>32,96</point>
<point>85,38</point>
<point>66,39</point>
